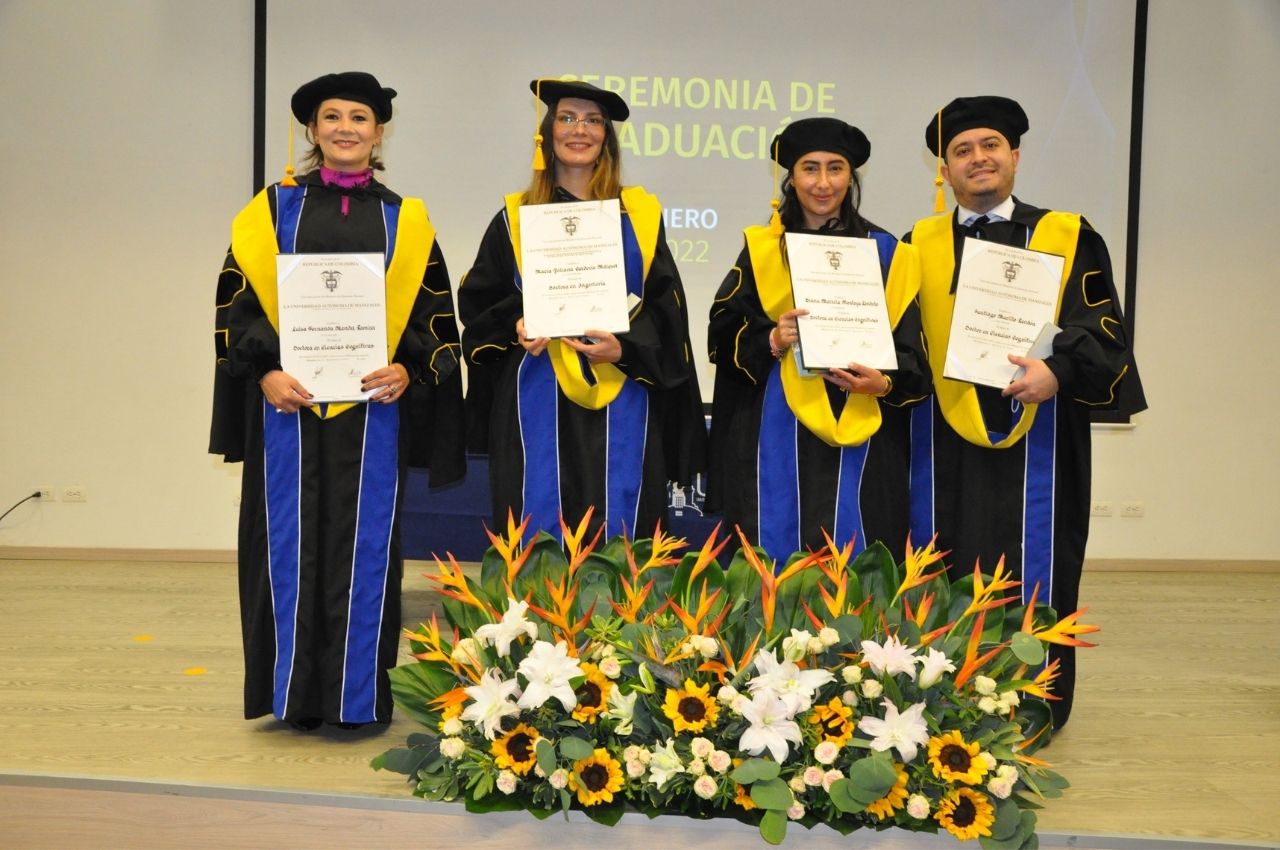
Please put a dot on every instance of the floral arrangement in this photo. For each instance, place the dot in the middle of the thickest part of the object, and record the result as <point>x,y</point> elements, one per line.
<point>850,691</point>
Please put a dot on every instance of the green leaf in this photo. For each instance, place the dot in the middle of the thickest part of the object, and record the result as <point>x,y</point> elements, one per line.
<point>773,826</point>
<point>1024,828</point>
<point>771,794</point>
<point>415,684</point>
<point>1027,648</point>
<point>575,749</point>
<point>1006,822</point>
<point>609,814</point>
<point>565,800</point>
<point>842,798</point>
<point>403,760</point>
<point>755,770</point>
<point>546,754</point>
<point>871,778</point>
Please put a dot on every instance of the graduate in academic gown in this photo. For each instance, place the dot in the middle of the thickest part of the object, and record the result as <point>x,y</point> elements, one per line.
<point>1006,473</point>
<point>319,544</point>
<point>795,458</point>
<point>602,421</point>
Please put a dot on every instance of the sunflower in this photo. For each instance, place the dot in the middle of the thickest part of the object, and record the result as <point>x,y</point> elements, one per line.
<point>953,760</point>
<point>966,814</point>
<point>596,778</point>
<point>691,708</point>
<point>593,694</point>
<point>895,799</point>
<point>834,720</point>
<point>517,749</point>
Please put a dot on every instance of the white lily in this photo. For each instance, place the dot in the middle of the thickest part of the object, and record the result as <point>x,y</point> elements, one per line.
<point>513,624</point>
<point>932,666</point>
<point>491,702</point>
<point>771,727</point>
<point>549,670</point>
<point>622,708</point>
<point>892,656</point>
<point>904,731</point>
<point>787,682</point>
<point>664,764</point>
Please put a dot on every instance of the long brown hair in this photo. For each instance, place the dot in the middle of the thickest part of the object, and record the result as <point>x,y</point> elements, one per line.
<point>606,179</point>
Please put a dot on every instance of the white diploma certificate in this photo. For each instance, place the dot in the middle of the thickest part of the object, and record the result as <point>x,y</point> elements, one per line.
<point>571,265</point>
<point>333,321</point>
<point>1004,298</point>
<point>837,279</point>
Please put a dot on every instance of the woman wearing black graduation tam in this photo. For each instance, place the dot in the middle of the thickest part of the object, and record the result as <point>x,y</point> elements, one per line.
<point>794,456</point>
<point>602,421</point>
<point>319,545</point>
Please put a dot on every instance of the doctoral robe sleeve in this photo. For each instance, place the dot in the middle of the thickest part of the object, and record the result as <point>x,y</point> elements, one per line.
<point>1092,353</point>
<point>246,347</point>
<point>738,333</point>
<point>656,350</point>
<point>429,350</point>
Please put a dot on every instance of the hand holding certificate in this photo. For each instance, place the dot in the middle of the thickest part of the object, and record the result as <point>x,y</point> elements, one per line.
<point>1005,297</point>
<point>837,279</point>
<point>571,265</point>
<point>333,321</point>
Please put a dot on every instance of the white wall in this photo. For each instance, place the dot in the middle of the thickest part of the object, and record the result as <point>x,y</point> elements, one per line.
<point>127,127</point>
<point>127,124</point>
<point>1204,458</point>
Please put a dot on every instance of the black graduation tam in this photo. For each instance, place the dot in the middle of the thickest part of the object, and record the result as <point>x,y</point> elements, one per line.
<point>349,85</point>
<point>966,113</point>
<point>549,91</point>
<point>820,134</point>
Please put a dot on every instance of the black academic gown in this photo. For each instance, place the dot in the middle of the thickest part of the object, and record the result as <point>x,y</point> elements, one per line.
<point>738,344</point>
<point>655,357</point>
<point>308,627</point>
<point>976,500</point>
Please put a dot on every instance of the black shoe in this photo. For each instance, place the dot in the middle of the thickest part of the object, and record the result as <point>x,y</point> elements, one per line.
<point>306,724</point>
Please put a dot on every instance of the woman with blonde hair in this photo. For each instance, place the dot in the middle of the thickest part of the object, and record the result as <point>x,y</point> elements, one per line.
<point>319,547</point>
<point>600,421</point>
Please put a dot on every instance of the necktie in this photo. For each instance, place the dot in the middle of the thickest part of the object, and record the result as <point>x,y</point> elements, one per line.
<point>976,227</point>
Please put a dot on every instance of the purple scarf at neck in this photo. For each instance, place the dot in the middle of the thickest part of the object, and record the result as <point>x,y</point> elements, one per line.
<point>346,180</point>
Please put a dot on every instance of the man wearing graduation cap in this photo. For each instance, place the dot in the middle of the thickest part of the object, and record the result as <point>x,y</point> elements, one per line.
<point>1006,473</point>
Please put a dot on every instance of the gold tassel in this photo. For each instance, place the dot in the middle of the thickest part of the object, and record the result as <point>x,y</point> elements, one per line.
<point>288,169</point>
<point>539,163</point>
<point>775,220</point>
<point>939,199</point>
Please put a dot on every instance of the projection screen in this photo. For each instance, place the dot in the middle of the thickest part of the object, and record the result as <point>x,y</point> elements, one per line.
<point>709,84</point>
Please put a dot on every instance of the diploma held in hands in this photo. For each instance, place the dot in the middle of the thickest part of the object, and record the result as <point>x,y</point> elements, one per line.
<point>837,279</point>
<point>1004,298</point>
<point>571,265</point>
<point>333,321</point>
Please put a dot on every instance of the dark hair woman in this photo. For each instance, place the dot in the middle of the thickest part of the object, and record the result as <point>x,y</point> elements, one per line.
<point>795,456</point>
<point>319,544</point>
<point>600,421</point>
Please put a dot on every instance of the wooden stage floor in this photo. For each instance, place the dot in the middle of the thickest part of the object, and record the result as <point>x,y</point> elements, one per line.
<point>120,682</point>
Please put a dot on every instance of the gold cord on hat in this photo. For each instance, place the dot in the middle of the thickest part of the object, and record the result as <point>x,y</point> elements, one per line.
<point>775,220</point>
<point>539,162</point>
<point>288,169</point>
<point>939,200</point>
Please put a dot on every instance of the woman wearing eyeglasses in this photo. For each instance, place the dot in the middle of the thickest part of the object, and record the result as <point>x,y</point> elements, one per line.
<point>601,421</point>
<point>794,455</point>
